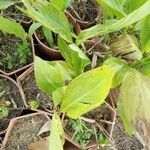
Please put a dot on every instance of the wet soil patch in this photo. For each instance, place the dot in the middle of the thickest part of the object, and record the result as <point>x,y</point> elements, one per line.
<point>84,10</point>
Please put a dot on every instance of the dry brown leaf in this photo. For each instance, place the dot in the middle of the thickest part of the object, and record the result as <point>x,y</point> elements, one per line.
<point>39,145</point>
<point>45,128</point>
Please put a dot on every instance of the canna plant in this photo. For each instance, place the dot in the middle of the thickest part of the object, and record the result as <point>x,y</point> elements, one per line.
<point>82,94</point>
<point>76,92</point>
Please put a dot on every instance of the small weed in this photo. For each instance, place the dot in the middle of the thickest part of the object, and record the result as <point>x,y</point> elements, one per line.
<point>82,134</point>
<point>34,104</point>
<point>9,61</point>
<point>3,112</point>
<point>3,106</point>
<point>23,53</point>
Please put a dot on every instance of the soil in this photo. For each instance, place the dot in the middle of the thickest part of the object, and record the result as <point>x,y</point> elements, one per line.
<point>11,99</point>
<point>33,93</point>
<point>122,140</point>
<point>24,132</point>
<point>84,10</point>
<point>9,53</point>
<point>12,93</point>
<point>13,13</point>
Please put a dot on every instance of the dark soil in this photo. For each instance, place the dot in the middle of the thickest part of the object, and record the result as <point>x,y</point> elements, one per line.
<point>25,132</point>
<point>12,57</point>
<point>33,93</point>
<point>12,93</point>
<point>13,13</point>
<point>122,140</point>
<point>84,10</point>
<point>11,99</point>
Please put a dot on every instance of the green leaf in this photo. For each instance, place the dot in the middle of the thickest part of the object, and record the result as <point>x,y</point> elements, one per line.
<point>102,140</point>
<point>65,69</point>
<point>73,55</point>
<point>132,5</point>
<point>145,34</point>
<point>135,101</point>
<point>100,29</point>
<point>50,17</point>
<point>49,37</point>
<point>33,28</point>
<point>113,7</point>
<point>119,75</point>
<point>67,76</point>
<point>11,27</point>
<point>48,78</point>
<point>128,127</point>
<point>6,3</point>
<point>61,5</point>
<point>143,66</point>
<point>57,137</point>
<point>57,96</point>
<point>87,91</point>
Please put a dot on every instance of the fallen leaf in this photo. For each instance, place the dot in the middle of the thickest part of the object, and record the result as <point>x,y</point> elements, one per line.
<point>45,128</point>
<point>39,145</point>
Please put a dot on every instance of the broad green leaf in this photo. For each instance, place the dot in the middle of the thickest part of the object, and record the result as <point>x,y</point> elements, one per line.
<point>65,69</point>
<point>143,66</point>
<point>57,96</point>
<point>65,73</point>
<point>33,28</point>
<point>100,29</point>
<point>128,127</point>
<point>11,27</point>
<point>73,55</point>
<point>6,3</point>
<point>57,137</point>
<point>87,91</point>
<point>48,78</point>
<point>113,7</point>
<point>119,75</point>
<point>50,17</point>
<point>49,37</point>
<point>132,5</point>
<point>61,5</point>
<point>134,102</point>
<point>145,34</point>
